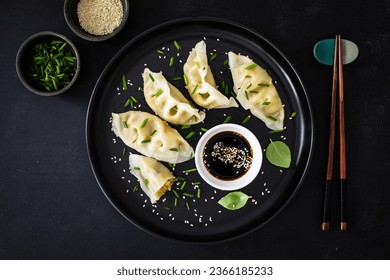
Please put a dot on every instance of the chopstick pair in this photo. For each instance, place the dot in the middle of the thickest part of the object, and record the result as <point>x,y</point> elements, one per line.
<point>337,95</point>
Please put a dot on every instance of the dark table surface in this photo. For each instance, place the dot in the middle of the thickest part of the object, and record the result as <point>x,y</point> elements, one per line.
<point>51,206</point>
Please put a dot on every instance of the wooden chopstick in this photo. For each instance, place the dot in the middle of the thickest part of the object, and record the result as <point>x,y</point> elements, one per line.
<point>343,164</point>
<point>329,170</point>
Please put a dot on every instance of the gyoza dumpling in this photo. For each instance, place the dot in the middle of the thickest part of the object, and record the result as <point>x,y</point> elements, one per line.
<point>255,91</point>
<point>167,101</point>
<point>151,136</point>
<point>155,179</point>
<point>200,81</point>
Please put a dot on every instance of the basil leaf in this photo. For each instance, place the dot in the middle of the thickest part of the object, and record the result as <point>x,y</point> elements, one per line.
<point>278,153</point>
<point>234,200</point>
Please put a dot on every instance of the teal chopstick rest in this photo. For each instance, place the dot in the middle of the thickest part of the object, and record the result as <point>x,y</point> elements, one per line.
<point>324,51</point>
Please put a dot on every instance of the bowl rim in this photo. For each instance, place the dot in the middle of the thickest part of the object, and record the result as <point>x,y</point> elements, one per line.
<point>22,50</point>
<point>244,180</point>
<point>90,37</point>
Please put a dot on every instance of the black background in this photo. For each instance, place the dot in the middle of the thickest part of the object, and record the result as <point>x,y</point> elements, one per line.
<point>52,208</point>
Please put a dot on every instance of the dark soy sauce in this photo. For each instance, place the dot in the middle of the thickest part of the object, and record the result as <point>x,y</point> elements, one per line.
<point>227,155</point>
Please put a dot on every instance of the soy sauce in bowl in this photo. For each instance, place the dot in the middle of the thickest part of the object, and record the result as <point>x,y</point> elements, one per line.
<point>227,155</point>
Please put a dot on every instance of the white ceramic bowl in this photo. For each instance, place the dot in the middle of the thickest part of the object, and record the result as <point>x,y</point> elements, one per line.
<point>231,183</point>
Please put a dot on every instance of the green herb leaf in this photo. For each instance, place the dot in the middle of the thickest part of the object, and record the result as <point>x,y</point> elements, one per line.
<point>278,153</point>
<point>234,200</point>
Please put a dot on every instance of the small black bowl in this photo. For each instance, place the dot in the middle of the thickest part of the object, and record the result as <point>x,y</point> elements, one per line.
<point>72,19</point>
<point>24,60</point>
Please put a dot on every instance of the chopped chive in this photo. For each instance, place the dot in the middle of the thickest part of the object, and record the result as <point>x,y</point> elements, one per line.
<point>198,193</point>
<point>232,93</point>
<point>160,51</point>
<point>175,193</point>
<point>135,189</point>
<point>189,135</point>
<point>146,181</point>
<point>228,118</point>
<point>128,102</point>
<point>204,129</point>
<point>175,201</point>
<point>186,126</point>
<point>250,84</point>
<point>145,141</point>
<point>153,132</point>
<point>188,205</point>
<point>276,131</point>
<point>183,185</point>
<point>196,183</point>
<point>225,62</point>
<point>180,178</point>
<point>249,67</point>
<point>124,123</point>
<point>190,170</point>
<point>213,57</point>
<point>293,114</point>
<point>133,98</point>
<point>263,85</point>
<point>174,149</point>
<point>226,90</point>
<point>192,104</point>
<point>173,165</point>
<point>188,194</point>
<point>265,103</point>
<point>124,151</point>
<point>145,121</point>
<point>246,95</point>
<point>124,82</point>
<point>158,93</point>
<point>136,168</point>
<point>185,79</point>
<point>151,77</point>
<point>194,90</point>
<point>246,119</point>
<point>223,84</point>
<point>171,61</point>
<point>177,45</point>
<point>191,155</point>
<point>167,208</point>
<point>254,91</point>
<point>178,78</point>
<point>272,118</point>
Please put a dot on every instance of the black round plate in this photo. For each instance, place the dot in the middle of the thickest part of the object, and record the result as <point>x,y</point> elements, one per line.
<point>199,218</point>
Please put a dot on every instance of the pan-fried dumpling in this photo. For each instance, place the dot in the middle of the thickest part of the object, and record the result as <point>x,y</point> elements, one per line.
<point>200,81</point>
<point>151,136</point>
<point>255,91</point>
<point>167,101</point>
<point>155,179</point>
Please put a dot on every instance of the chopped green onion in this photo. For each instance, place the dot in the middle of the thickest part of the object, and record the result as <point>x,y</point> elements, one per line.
<point>189,135</point>
<point>246,119</point>
<point>160,51</point>
<point>175,193</point>
<point>249,67</point>
<point>198,64</point>
<point>186,126</point>
<point>246,95</point>
<point>198,193</point>
<point>151,77</point>
<point>128,102</point>
<point>213,57</point>
<point>145,141</point>
<point>185,79</point>
<point>249,85</point>
<point>265,103</point>
<point>225,62</point>
<point>177,45</point>
<point>159,92</point>
<point>180,178</point>
<point>188,205</point>
<point>124,82</point>
<point>188,194</point>
<point>178,78</point>
<point>175,201</point>
<point>136,168</point>
<point>183,185</point>
<point>195,183</point>
<point>204,129</point>
<point>146,181</point>
<point>194,90</point>
<point>135,189</point>
<point>254,91</point>
<point>272,118</point>
<point>145,121</point>
<point>228,118</point>
<point>124,123</point>
<point>276,131</point>
<point>293,114</point>
<point>153,132</point>
<point>263,85</point>
<point>167,208</point>
<point>190,170</point>
<point>124,151</point>
<point>174,149</point>
<point>191,155</point>
<point>133,98</point>
<point>171,61</point>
